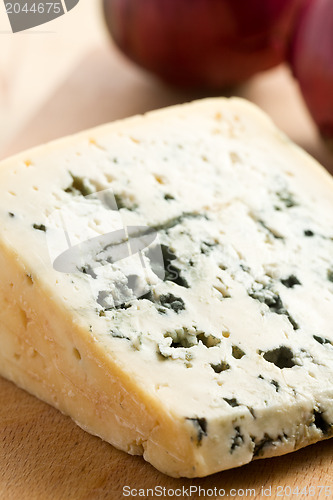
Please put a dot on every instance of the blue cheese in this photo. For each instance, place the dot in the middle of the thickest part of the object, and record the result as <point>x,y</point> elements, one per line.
<point>167,281</point>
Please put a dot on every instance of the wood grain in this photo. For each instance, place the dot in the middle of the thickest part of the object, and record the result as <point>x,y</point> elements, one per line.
<point>43,454</point>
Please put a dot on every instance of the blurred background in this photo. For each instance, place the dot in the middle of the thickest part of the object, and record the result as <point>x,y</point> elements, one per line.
<point>60,78</point>
<point>68,75</point>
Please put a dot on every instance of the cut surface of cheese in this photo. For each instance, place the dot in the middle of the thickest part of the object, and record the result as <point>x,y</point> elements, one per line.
<point>167,282</point>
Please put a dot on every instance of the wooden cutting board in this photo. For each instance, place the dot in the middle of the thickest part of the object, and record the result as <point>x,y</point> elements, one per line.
<point>43,454</point>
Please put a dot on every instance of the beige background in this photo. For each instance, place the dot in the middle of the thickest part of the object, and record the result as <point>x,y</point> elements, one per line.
<point>55,80</point>
<point>34,62</point>
<point>67,75</point>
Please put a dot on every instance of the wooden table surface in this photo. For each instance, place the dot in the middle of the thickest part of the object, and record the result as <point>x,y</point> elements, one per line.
<point>43,454</point>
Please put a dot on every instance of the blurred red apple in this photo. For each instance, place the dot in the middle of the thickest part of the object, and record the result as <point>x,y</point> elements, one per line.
<point>311,59</point>
<point>202,43</point>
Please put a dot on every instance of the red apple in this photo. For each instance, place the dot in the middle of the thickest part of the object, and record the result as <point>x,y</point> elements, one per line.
<point>202,43</point>
<point>311,59</point>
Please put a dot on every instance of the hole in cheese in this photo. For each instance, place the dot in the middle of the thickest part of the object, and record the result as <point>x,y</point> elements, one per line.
<point>76,353</point>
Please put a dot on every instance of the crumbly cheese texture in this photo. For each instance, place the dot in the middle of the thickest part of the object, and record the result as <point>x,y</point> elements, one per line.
<point>221,352</point>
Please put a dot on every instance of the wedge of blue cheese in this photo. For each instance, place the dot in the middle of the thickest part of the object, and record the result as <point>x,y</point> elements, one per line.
<point>167,281</point>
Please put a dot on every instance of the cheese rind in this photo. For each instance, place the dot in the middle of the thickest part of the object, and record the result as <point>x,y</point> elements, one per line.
<point>212,344</point>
